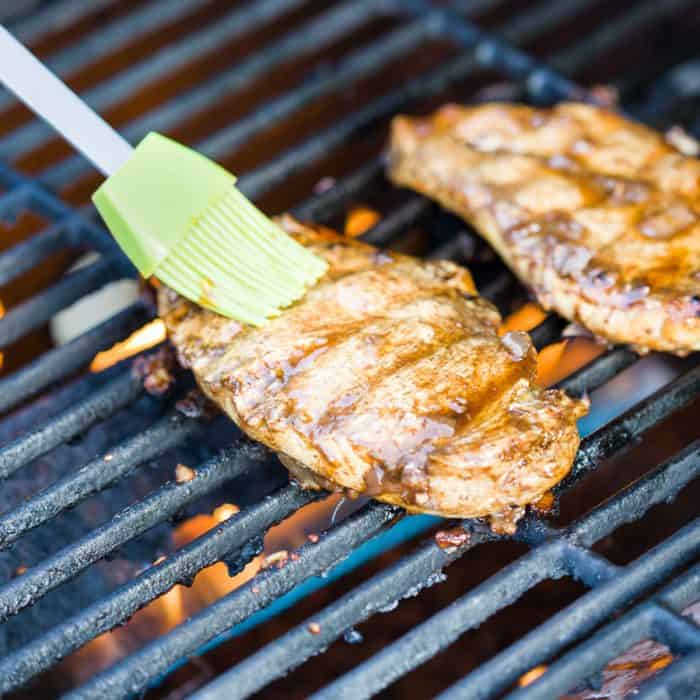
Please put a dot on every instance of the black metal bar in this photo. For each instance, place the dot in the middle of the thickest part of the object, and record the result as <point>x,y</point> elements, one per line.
<point>599,371</point>
<point>548,331</point>
<point>112,91</point>
<point>680,634</point>
<point>25,255</point>
<point>14,201</point>
<point>71,227</point>
<point>267,176</point>
<point>588,658</point>
<point>67,563</point>
<point>377,673</point>
<point>436,633</point>
<point>628,631</point>
<point>60,363</point>
<point>182,566</point>
<point>264,178</point>
<point>540,80</point>
<point>429,560</point>
<point>320,31</point>
<point>499,291</point>
<point>589,568</point>
<point>320,206</point>
<point>110,38</point>
<point>396,223</point>
<point>37,310</point>
<point>338,21</point>
<point>61,13</point>
<point>95,476</point>
<point>354,67</point>
<point>103,403</point>
<point>587,49</point>
<point>663,482</point>
<point>623,430</point>
<point>452,249</point>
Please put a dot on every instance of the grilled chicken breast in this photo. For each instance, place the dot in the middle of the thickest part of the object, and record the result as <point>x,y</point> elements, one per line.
<point>389,378</point>
<point>598,215</point>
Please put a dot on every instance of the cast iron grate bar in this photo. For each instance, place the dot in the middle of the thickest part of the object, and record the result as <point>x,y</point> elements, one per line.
<point>59,363</point>
<point>621,430</point>
<point>103,403</point>
<point>680,680</point>
<point>125,526</point>
<point>40,308</point>
<point>649,620</point>
<point>640,14</point>
<point>29,253</point>
<point>171,58</point>
<point>95,476</point>
<point>538,78</point>
<point>138,670</point>
<point>112,36</point>
<point>61,13</point>
<point>595,607</point>
<point>320,207</point>
<point>352,68</point>
<point>337,22</point>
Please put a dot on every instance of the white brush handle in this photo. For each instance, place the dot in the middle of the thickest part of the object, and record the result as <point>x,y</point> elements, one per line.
<point>52,100</point>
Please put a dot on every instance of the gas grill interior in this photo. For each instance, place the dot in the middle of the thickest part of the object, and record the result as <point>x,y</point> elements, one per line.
<point>146,547</point>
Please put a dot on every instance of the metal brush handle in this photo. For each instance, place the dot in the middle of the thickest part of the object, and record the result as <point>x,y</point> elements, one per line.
<point>51,99</point>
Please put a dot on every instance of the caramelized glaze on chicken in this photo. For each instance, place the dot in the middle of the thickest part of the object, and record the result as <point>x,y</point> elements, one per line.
<point>597,214</point>
<point>390,379</point>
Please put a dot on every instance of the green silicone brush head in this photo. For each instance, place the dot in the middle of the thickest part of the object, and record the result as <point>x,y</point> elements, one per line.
<point>179,217</point>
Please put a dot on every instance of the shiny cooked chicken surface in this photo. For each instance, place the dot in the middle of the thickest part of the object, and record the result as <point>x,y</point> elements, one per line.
<point>597,214</point>
<point>388,379</point>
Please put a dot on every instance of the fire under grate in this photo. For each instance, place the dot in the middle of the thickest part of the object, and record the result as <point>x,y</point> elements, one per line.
<point>553,552</point>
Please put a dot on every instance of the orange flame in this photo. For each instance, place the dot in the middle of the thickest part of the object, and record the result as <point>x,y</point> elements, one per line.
<point>524,319</point>
<point>559,360</point>
<point>360,219</point>
<point>531,676</point>
<point>146,337</point>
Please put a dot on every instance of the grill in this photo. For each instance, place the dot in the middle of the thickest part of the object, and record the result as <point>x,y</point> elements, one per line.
<point>382,56</point>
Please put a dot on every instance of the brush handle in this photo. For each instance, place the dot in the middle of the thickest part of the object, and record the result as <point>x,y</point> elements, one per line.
<point>52,100</point>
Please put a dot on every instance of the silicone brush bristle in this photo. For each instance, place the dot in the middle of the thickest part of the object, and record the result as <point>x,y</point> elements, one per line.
<point>237,262</point>
<point>178,217</point>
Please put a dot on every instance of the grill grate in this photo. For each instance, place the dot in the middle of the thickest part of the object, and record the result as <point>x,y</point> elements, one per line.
<point>553,552</point>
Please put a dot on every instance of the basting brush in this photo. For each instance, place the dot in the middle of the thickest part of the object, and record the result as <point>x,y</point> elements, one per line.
<point>176,214</point>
